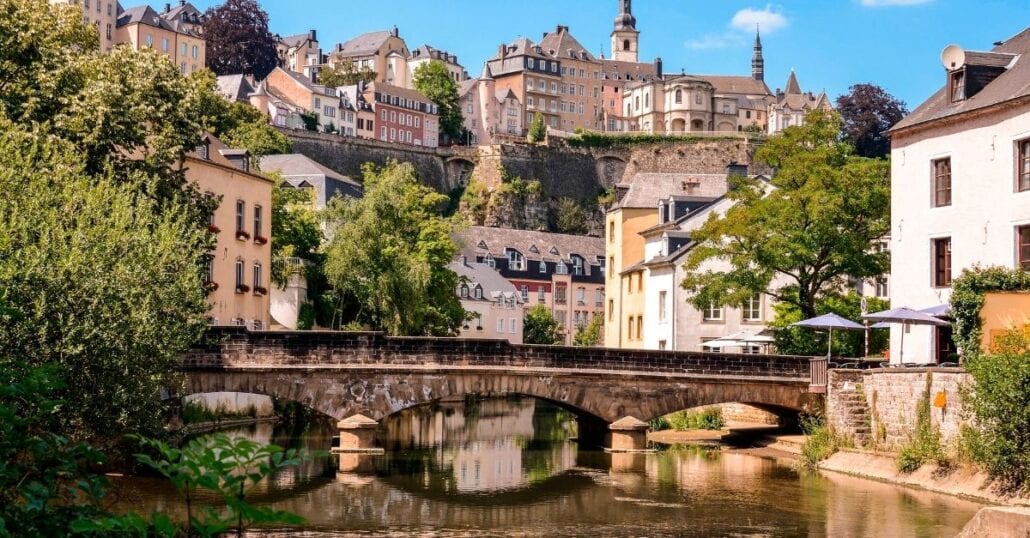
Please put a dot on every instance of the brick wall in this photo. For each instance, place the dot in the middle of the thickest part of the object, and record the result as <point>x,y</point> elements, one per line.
<point>231,346</point>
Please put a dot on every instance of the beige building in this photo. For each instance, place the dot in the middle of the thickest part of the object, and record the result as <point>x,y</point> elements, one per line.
<point>791,105</point>
<point>532,76</point>
<point>102,14</point>
<point>489,113</point>
<point>384,52</point>
<point>494,302</point>
<point>426,54</point>
<point>300,53</point>
<point>238,275</point>
<point>294,90</point>
<point>563,272</point>
<point>175,34</point>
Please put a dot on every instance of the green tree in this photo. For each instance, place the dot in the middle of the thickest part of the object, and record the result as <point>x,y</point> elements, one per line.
<point>537,129</point>
<point>389,254</point>
<point>540,327</point>
<point>590,334</point>
<point>570,217</point>
<point>434,81</point>
<point>101,281</point>
<point>868,112</point>
<point>813,224</point>
<point>806,341</point>
<point>344,73</point>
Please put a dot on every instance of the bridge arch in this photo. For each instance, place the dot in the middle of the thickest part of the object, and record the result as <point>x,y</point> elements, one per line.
<point>458,170</point>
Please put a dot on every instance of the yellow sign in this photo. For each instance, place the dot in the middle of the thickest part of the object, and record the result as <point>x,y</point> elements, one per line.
<point>940,400</point>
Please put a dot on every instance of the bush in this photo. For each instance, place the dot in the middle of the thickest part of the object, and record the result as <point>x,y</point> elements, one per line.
<point>821,442</point>
<point>925,444</point>
<point>537,129</point>
<point>709,418</point>
<point>306,317</point>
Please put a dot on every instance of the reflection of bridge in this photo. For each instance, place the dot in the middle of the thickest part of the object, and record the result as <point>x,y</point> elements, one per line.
<point>346,374</point>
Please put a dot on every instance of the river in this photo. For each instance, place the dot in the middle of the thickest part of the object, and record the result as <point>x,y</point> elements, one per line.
<point>504,467</point>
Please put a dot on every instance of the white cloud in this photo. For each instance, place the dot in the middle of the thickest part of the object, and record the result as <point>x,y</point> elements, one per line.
<point>715,41</point>
<point>882,3</point>
<point>768,19</point>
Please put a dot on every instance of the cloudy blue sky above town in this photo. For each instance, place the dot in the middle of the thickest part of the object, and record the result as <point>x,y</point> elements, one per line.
<point>830,43</point>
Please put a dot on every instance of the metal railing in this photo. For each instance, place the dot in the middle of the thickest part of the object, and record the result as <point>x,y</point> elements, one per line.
<point>818,371</point>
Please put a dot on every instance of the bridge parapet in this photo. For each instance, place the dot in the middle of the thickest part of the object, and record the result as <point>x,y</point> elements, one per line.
<point>238,347</point>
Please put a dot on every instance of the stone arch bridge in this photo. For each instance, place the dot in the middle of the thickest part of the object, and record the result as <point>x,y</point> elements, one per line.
<point>371,376</point>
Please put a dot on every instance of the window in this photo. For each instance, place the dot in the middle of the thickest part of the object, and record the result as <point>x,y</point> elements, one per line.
<point>183,49</point>
<point>942,182</point>
<point>240,210</point>
<point>611,231</point>
<point>611,310</point>
<point>149,40</point>
<point>559,294</point>
<point>257,276</point>
<point>539,294</point>
<point>543,266</point>
<point>561,268</point>
<point>713,312</point>
<point>1023,165</point>
<point>679,96</point>
<point>500,325</point>
<point>1023,247</point>
<point>513,325</point>
<point>239,274</point>
<point>697,98</point>
<point>881,287</point>
<point>661,306</point>
<point>957,83</point>
<point>257,221</point>
<point>640,327</point>
<point>707,349</point>
<point>489,260</point>
<point>478,292</point>
<point>194,51</point>
<point>464,291</point>
<point>525,293</point>
<point>753,308</point>
<point>942,262</point>
<point>164,44</point>
<point>581,296</point>
<point>577,265</point>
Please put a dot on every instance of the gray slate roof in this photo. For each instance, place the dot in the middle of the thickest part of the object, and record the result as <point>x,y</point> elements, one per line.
<point>532,244</point>
<point>235,87</point>
<point>645,189</point>
<point>364,44</point>
<point>296,169</point>
<point>493,284</point>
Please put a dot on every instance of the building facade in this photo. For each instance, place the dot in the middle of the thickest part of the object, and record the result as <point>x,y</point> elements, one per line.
<point>495,304</point>
<point>425,54</point>
<point>300,53</point>
<point>487,111</point>
<point>383,52</point>
<point>175,33</point>
<point>238,274</point>
<point>296,90</point>
<point>565,273</point>
<point>404,116</point>
<point>791,105</point>
<point>960,186</point>
<point>102,14</point>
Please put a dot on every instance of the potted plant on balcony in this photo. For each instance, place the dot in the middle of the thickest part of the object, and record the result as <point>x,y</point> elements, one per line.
<point>242,288</point>
<point>259,291</point>
<point>211,228</point>
<point>242,235</point>
<point>210,286</point>
<point>260,239</point>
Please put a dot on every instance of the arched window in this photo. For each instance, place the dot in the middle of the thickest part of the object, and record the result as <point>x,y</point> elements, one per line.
<point>625,44</point>
<point>516,261</point>
<point>637,100</point>
<point>697,98</point>
<point>679,96</point>
<point>478,292</point>
<point>647,100</point>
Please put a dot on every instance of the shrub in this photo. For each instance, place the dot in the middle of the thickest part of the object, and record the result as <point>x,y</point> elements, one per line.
<point>821,442</point>
<point>709,418</point>
<point>925,444</point>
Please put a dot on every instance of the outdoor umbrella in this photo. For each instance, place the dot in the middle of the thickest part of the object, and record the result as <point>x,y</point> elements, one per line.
<point>831,322</point>
<point>904,316</point>
<point>938,311</point>
<point>741,338</point>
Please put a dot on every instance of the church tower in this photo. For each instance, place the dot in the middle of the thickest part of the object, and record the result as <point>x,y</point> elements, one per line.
<point>757,62</point>
<point>625,37</point>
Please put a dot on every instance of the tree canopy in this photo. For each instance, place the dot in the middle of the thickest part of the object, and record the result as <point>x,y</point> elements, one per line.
<point>537,130</point>
<point>813,225</point>
<point>434,81</point>
<point>868,112</point>
<point>389,252</point>
<point>540,327</point>
<point>238,39</point>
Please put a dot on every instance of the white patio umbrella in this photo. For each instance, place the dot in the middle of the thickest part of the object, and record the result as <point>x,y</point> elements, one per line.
<point>739,339</point>
<point>905,316</point>
<point>830,321</point>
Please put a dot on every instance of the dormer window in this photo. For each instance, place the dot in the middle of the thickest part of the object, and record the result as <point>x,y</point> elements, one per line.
<point>543,266</point>
<point>662,219</point>
<point>561,268</point>
<point>464,291</point>
<point>577,264</point>
<point>957,85</point>
<point>516,261</point>
<point>489,260</point>
<point>478,292</point>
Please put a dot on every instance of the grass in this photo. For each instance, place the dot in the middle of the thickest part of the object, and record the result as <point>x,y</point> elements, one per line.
<point>821,442</point>
<point>197,413</point>
<point>925,444</point>
<point>709,418</point>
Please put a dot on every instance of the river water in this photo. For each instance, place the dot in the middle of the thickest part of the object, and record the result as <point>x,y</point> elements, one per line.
<point>510,467</point>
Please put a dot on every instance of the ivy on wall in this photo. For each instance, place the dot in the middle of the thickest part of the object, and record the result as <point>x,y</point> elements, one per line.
<point>967,299</point>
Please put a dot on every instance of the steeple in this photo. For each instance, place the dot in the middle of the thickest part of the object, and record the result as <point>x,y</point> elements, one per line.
<point>625,37</point>
<point>793,88</point>
<point>757,61</point>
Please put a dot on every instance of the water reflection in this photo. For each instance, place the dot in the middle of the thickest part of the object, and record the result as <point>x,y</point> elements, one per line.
<point>501,467</point>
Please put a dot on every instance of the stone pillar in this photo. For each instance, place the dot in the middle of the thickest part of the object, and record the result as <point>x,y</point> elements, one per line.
<point>629,434</point>
<point>357,435</point>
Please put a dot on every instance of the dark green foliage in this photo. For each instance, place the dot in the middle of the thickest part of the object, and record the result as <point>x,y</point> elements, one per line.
<point>570,217</point>
<point>198,413</point>
<point>807,341</point>
<point>306,317</point>
<point>709,418</point>
<point>434,81</point>
<point>310,120</point>
<point>869,112</point>
<point>238,39</point>
<point>537,130</point>
<point>820,443</point>
<point>967,299</point>
<point>590,334</point>
<point>606,141</point>
<point>540,327</point>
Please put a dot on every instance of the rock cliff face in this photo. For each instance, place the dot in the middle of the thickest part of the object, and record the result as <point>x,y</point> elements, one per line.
<point>581,174</point>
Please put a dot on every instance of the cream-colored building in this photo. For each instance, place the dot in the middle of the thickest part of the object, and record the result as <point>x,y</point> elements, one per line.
<point>790,106</point>
<point>102,14</point>
<point>487,111</point>
<point>425,54</point>
<point>176,34</point>
<point>300,53</point>
<point>494,303</point>
<point>384,52</point>
<point>294,89</point>
<point>238,275</point>
<point>960,186</point>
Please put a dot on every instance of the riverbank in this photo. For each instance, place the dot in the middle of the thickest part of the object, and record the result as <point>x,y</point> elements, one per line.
<point>215,425</point>
<point>960,481</point>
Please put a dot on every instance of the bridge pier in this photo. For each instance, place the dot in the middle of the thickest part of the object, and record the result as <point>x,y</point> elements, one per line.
<point>357,435</point>
<point>629,434</point>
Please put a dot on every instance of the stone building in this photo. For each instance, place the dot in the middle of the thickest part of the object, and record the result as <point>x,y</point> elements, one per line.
<point>300,53</point>
<point>175,33</point>
<point>403,115</point>
<point>791,105</point>
<point>384,52</point>
<point>496,305</point>
<point>960,186</point>
<point>563,272</point>
<point>238,275</point>
<point>426,54</point>
<point>487,111</point>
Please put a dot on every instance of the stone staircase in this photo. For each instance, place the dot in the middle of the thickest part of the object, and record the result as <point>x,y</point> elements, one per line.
<point>854,413</point>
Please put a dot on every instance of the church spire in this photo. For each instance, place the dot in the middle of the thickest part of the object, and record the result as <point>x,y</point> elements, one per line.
<point>757,61</point>
<point>625,37</point>
<point>625,20</point>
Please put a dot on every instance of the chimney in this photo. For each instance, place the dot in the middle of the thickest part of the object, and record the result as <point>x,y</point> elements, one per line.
<point>502,51</point>
<point>168,7</point>
<point>658,68</point>
<point>182,3</point>
<point>395,32</point>
<point>312,35</point>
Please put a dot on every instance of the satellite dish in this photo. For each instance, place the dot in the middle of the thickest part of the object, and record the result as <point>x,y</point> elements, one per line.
<point>953,57</point>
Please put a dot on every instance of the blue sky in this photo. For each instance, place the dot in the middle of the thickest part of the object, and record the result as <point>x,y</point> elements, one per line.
<point>832,44</point>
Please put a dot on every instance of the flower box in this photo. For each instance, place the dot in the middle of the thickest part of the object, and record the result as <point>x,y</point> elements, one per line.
<point>213,229</point>
<point>242,288</point>
<point>211,286</point>
<point>260,239</point>
<point>258,290</point>
<point>242,235</point>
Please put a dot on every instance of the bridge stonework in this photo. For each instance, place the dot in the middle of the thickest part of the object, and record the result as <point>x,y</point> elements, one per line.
<point>342,374</point>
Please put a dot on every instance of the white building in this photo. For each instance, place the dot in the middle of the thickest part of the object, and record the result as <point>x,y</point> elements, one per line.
<point>960,185</point>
